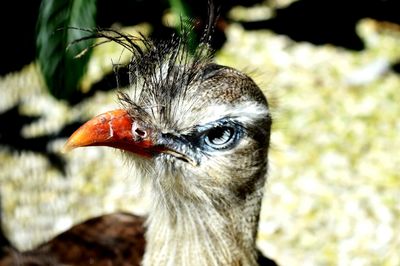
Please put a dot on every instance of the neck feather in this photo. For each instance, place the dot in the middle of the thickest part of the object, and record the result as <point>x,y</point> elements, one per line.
<point>196,234</point>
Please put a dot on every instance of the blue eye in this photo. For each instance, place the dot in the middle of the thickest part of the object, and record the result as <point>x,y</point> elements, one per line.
<point>221,137</point>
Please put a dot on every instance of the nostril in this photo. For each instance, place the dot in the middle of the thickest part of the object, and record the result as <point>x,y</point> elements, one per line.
<point>138,132</point>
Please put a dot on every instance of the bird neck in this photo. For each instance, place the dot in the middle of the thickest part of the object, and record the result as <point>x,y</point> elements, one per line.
<point>196,234</point>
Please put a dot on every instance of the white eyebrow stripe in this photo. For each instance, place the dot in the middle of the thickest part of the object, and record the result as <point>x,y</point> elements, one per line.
<point>245,112</point>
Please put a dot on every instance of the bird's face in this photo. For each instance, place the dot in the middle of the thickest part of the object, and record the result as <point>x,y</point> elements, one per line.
<point>194,132</point>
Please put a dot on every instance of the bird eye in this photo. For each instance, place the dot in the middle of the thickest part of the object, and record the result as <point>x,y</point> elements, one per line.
<point>220,137</point>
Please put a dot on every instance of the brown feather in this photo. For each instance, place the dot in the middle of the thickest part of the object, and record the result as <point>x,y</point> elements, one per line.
<point>113,239</point>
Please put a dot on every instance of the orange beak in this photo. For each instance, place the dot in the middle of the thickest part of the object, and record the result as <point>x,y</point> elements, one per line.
<point>114,129</point>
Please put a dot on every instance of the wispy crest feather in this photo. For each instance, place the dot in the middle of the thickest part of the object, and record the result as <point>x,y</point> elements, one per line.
<point>160,72</point>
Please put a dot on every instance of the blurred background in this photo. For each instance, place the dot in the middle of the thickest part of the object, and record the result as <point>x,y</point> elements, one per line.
<point>331,72</point>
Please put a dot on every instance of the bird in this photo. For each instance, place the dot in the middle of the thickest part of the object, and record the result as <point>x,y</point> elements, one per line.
<point>197,135</point>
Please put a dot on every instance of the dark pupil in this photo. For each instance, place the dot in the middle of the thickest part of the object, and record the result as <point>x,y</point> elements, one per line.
<point>220,135</point>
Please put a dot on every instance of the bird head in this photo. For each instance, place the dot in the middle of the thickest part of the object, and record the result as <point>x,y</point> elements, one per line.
<point>192,128</point>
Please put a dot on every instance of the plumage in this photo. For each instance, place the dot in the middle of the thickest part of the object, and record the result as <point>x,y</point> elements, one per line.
<point>114,239</point>
<point>197,134</point>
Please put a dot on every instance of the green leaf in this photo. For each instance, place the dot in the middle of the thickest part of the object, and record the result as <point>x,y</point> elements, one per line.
<point>182,10</point>
<point>61,70</point>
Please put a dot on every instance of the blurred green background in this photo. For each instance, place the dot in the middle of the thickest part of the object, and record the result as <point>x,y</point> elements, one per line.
<point>329,68</point>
